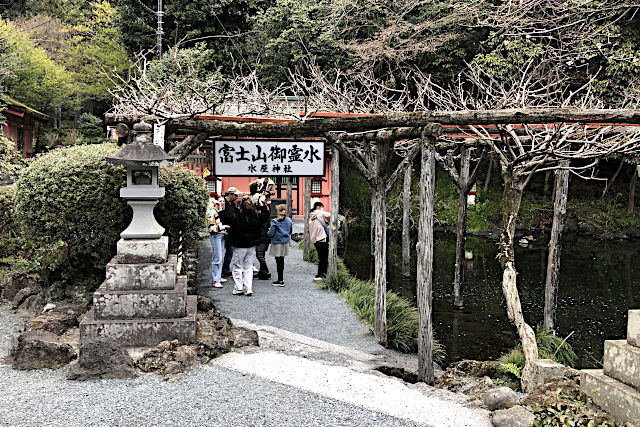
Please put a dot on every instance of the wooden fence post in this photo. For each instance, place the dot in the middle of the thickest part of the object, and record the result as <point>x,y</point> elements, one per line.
<point>425,260</point>
<point>406,223</point>
<point>333,222</point>
<point>555,248</point>
<point>306,252</point>
<point>458,278</point>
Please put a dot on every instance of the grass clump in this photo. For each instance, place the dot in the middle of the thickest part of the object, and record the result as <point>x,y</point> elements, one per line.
<point>549,347</point>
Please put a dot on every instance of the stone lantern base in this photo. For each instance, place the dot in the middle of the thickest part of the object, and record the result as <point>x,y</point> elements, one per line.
<point>142,300</point>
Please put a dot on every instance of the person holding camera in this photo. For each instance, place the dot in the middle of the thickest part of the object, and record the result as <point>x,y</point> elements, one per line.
<point>319,234</point>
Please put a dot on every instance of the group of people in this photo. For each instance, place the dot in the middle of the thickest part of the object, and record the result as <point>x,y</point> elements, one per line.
<point>241,231</point>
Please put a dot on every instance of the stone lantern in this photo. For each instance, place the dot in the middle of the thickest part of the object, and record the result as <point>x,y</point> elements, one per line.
<point>143,300</point>
<point>142,159</point>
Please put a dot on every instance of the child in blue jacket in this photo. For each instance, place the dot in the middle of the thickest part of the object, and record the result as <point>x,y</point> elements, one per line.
<point>280,233</point>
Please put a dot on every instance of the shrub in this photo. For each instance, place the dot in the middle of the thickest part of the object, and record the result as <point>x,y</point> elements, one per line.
<point>90,125</point>
<point>549,347</point>
<point>69,198</point>
<point>10,242</point>
<point>183,211</point>
<point>72,195</point>
<point>10,159</point>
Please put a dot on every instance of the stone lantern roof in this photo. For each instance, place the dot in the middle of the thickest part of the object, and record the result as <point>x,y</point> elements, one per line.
<point>142,151</point>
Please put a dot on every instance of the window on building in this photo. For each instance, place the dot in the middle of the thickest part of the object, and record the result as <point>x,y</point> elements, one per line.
<point>316,187</point>
<point>211,185</point>
<point>20,140</point>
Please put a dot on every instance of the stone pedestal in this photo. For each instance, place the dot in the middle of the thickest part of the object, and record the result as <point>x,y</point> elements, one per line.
<point>616,388</point>
<point>142,300</point>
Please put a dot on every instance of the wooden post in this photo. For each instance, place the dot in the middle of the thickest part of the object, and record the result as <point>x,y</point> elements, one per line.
<point>425,260</point>
<point>373,225</point>
<point>289,196</point>
<point>465,162</point>
<point>488,180</point>
<point>406,223</point>
<point>555,248</point>
<point>632,190</point>
<point>333,222</point>
<point>306,252</point>
<point>379,204</point>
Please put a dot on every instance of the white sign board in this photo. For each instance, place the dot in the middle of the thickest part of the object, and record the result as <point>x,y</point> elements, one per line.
<point>274,158</point>
<point>158,135</point>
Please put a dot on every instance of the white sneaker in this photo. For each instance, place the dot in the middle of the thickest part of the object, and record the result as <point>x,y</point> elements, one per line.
<point>217,285</point>
<point>223,280</point>
<point>248,293</point>
<point>318,279</point>
<point>237,292</point>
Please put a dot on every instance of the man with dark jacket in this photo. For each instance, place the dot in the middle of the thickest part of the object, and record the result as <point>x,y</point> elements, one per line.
<point>228,211</point>
<point>246,225</point>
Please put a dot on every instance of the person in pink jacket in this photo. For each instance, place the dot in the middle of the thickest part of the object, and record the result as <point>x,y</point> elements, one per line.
<point>319,234</point>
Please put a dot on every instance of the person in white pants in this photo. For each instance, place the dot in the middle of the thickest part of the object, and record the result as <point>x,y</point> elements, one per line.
<point>245,234</point>
<point>242,270</point>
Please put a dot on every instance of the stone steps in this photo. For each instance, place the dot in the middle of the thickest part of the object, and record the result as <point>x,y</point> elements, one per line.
<point>616,388</point>
<point>618,399</point>
<point>622,362</point>
<point>142,332</point>
<point>141,303</point>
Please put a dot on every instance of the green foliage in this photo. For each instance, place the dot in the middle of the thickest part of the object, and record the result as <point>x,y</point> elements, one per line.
<point>10,241</point>
<point>574,413</point>
<point>402,316</point>
<point>183,211</point>
<point>10,159</point>
<point>72,195</point>
<point>32,77</point>
<point>549,347</point>
<point>90,125</point>
<point>69,200</point>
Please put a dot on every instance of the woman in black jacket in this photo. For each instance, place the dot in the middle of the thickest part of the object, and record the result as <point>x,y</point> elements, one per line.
<point>246,225</point>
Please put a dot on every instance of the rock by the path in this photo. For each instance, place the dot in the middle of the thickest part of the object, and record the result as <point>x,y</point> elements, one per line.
<point>14,282</point>
<point>501,398</point>
<point>243,337</point>
<point>57,319</point>
<point>102,359</point>
<point>516,416</point>
<point>21,296</point>
<point>204,303</point>
<point>40,349</point>
<point>168,359</point>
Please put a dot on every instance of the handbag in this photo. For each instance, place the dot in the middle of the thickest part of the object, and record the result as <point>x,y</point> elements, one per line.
<point>326,229</point>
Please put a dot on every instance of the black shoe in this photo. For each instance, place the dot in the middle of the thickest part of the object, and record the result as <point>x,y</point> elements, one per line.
<point>261,276</point>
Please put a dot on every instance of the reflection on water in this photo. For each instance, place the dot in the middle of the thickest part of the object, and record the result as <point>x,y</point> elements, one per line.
<point>597,284</point>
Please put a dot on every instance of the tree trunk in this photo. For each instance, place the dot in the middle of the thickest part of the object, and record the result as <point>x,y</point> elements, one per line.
<point>379,204</point>
<point>613,178</point>
<point>425,261</point>
<point>545,189</point>
<point>555,248</point>
<point>333,225</point>
<point>465,161</point>
<point>306,252</point>
<point>511,199</point>
<point>632,190</point>
<point>488,180</point>
<point>406,223</point>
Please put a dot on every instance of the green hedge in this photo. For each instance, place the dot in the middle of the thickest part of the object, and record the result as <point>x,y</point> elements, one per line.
<point>70,197</point>
<point>10,242</point>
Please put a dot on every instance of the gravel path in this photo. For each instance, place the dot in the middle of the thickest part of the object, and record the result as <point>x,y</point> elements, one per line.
<point>211,396</point>
<point>299,307</point>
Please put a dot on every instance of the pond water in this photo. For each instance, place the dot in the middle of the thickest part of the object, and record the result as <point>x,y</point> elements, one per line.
<point>599,282</point>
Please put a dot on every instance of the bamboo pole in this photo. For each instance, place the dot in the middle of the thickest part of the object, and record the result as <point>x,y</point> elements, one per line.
<point>289,196</point>
<point>306,252</point>
<point>333,221</point>
<point>406,223</point>
<point>425,261</point>
<point>555,247</point>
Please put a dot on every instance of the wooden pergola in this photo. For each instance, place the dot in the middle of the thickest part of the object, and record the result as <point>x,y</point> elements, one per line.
<point>377,133</point>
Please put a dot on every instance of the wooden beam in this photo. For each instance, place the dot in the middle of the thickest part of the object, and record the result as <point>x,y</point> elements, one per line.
<point>406,223</point>
<point>314,127</point>
<point>333,221</point>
